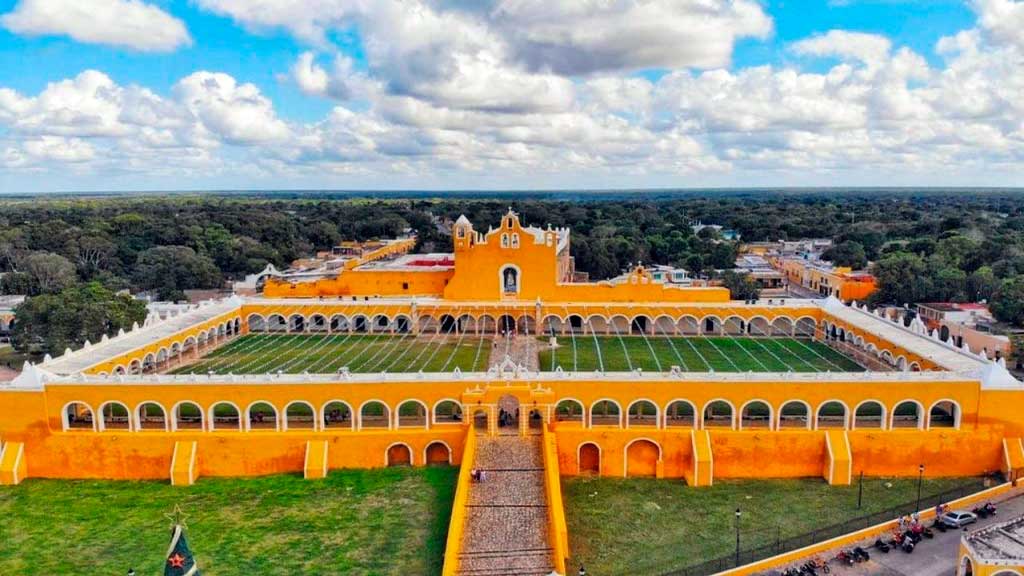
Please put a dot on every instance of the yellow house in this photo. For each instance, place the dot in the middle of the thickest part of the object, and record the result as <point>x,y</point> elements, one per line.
<point>996,550</point>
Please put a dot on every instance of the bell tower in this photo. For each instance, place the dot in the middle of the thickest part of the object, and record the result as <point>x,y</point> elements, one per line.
<point>463,234</point>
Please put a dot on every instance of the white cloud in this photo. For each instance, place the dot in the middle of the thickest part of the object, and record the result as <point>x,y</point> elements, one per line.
<point>1004,19</point>
<point>130,23</point>
<point>867,48</point>
<point>238,113</point>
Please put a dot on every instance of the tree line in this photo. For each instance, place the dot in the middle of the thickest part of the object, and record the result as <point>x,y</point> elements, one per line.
<point>925,247</point>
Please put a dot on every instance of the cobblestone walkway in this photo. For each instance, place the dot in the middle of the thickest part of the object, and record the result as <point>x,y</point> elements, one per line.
<point>522,349</point>
<point>506,524</point>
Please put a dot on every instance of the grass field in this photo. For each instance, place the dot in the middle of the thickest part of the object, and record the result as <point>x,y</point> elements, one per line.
<point>387,521</point>
<point>693,354</point>
<point>630,527</point>
<point>323,354</point>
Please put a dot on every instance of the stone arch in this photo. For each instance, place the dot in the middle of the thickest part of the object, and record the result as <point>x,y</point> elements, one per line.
<point>277,323</point>
<point>605,412</point>
<point>907,414</point>
<point>689,325</point>
<point>380,323</point>
<point>135,366</point>
<point>869,414</point>
<point>187,415</point>
<point>225,415</point>
<point>575,323</point>
<point>664,325</point>
<point>437,453</point>
<point>598,324</point>
<point>944,333</point>
<point>718,413</point>
<point>944,413</point>
<point>618,324</point>
<point>526,324</point>
<point>901,364</point>
<point>759,326</point>
<point>640,324</point>
<point>77,415</point>
<point>734,326</point>
<point>755,414</point>
<point>339,323</point>
<point>150,415</point>
<point>402,324</point>
<point>412,413</point>
<point>782,326</point>
<point>914,367</point>
<point>398,454</point>
<point>162,355</point>
<point>360,324</point>
<point>569,410</point>
<point>114,415</point>
<point>299,415</point>
<point>832,414</point>
<point>680,413</point>
<point>336,415</point>
<point>711,325</point>
<point>507,324</point>
<point>486,324</point>
<point>148,363</point>
<point>640,458</point>
<point>256,323</point>
<point>795,414</point>
<point>552,325</point>
<point>261,415</point>
<point>374,414</point>
<point>481,418</point>
<point>447,411</point>
<point>318,323</point>
<point>588,458</point>
<point>806,327</point>
<point>642,412</point>
<point>427,324</point>
<point>297,323</point>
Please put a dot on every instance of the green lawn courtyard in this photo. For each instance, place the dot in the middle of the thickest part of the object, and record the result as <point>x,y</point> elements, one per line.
<point>326,354</point>
<point>692,354</point>
<point>629,527</point>
<point>358,522</point>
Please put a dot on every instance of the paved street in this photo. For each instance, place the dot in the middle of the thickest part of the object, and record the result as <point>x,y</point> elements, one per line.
<point>936,557</point>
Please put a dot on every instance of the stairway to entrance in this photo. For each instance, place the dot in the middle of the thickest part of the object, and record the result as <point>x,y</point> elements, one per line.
<point>521,348</point>
<point>507,513</point>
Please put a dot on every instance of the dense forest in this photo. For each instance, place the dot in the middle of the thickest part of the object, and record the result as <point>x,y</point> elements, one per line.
<point>923,246</point>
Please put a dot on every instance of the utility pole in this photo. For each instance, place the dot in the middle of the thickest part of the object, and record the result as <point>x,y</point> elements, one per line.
<point>860,490</point>
<point>920,478</point>
<point>738,537</point>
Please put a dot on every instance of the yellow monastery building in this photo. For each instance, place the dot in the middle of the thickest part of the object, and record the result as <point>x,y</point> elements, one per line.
<point>870,394</point>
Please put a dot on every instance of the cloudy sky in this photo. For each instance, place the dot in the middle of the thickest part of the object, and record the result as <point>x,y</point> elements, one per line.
<point>442,94</point>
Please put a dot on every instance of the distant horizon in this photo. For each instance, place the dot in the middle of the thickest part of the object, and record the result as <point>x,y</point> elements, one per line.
<point>521,192</point>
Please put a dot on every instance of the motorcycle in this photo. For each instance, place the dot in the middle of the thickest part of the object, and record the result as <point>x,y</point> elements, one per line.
<point>860,554</point>
<point>882,546</point>
<point>845,557</point>
<point>908,545</point>
<point>988,509</point>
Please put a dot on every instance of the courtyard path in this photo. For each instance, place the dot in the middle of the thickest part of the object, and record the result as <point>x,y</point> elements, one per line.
<point>521,348</point>
<point>506,525</point>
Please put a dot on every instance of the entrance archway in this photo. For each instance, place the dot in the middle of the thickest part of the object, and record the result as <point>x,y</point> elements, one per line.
<point>590,459</point>
<point>506,324</point>
<point>438,454</point>
<point>399,455</point>
<point>508,412</point>
<point>642,458</point>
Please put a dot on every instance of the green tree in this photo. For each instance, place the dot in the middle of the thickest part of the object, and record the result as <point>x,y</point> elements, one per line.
<point>50,323</point>
<point>741,286</point>
<point>47,273</point>
<point>902,278</point>
<point>849,253</point>
<point>1007,303</point>
<point>171,269</point>
<point>981,284</point>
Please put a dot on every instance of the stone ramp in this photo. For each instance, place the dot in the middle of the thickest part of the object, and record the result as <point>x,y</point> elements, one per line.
<point>506,515</point>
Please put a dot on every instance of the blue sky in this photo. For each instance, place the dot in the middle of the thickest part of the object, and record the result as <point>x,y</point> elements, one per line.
<point>457,96</point>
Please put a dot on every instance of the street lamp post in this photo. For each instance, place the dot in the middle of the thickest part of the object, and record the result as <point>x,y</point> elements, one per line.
<point>737,537</point>
<point>920,478</point>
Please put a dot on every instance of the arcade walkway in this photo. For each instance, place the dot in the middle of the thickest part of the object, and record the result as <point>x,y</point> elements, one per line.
<point>506,526</point>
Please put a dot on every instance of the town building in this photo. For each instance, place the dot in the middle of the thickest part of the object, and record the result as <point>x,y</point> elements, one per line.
<point>996,550</point>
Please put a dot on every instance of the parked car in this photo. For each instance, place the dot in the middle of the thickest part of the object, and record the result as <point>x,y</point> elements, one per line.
<point>959,518</point>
